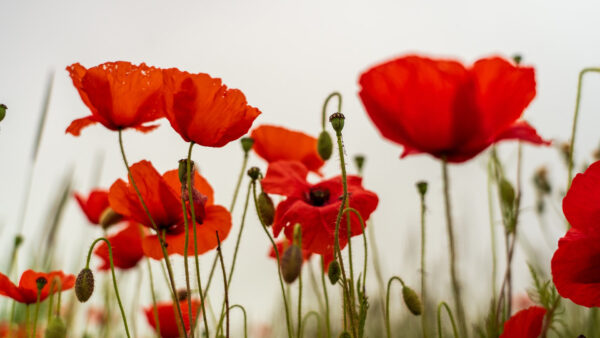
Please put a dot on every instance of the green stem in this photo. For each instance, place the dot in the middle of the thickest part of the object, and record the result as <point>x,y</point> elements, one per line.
<point>161,239</point>
<point>326,297</point>
<point>492,229</point>
<point>287,314</point>
<point>154,308</point>
<point>423,284</point>
<point>225,287</point>
<point>303,324</point>
<point>185,256</point>
<point>439,319</point>
<point>324,112</point>
<point>37,310</point>
<point>27,319</point>
<point>315,286</point>
<point>364,236</point>
<point>388,329</point>
<point>245,317</point>
<point>299,331</point>
<point>575,117</point>
<point>136,301</point>
<point>451,246</point>
<point>114,278</point>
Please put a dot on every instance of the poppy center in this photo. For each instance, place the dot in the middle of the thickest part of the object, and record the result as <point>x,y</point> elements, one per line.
<point>318,197</point>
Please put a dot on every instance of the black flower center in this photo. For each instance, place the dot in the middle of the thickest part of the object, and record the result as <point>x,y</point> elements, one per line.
<point>318,197</point>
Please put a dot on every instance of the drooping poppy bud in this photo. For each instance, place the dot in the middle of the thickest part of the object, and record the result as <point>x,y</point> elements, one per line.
<point>334,272</point>
<point>412,300</point>
<point>422,187</point>
<point>109,217</point>
<point>254,173</point>
<point>266,208</point>
<point>291,263</point>
<point>247,143</point>
<point>324,145</point>
<point>359,160</point>
<point>2,111</point>
<point>84,285</point>
<point>337,121</point>
<point>56,328</point>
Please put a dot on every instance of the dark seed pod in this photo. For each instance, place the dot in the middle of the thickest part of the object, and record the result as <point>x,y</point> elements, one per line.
<point>291,263</point>
<point>247,143</point>
<point>324,145</point>
<point>41,282</point>
<point>84,285</point>
<point>254,173</point>
<point>337,121</point>
<point>266,208</point>
<point>412,301</point>
<point>359,160</point>
<point>56,328</point>
<point>334,272</point>
<point>422,187</point>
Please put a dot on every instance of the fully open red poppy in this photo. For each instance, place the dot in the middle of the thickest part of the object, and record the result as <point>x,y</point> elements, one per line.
<point>168,318</point>
<point>119,94</point>
<point>442,108</point>
<point>315,206</point>
<point>575,265</point>
<point>27,290</point>
<point>274,143</point>
<point>126,247</point>
<point>94,205</point>
<point>525,323</point>
<point>203,110</point>
<point>162,195</point>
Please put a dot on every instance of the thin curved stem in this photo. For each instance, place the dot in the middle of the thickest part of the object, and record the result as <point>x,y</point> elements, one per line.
<point>364,236</point>
<point>492,229</point>
<point>388,329</point>
<point>324,112</point>
<point>575,118</point>
<point>245,317</point>
<point>299,289</point>
<point>262,222</point>
<point>154,307</point>
<point>226,286</point>
<point>305,318</point>
<point>326,297</point>
<point>439,319</point>
<point>114,278</point>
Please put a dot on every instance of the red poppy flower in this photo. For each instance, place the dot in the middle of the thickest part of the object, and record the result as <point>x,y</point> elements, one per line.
<point>7,329</point>
<point>162,195</point>
<point>27,290</point>
<point>525,323</point>
<point>94,205</point>
<point>441,108</point>
<point>575,266</point>
<point>280,144</point>
<point>126,248</point>
<point>119,95</point>
<point>201,109</point>
<point>315,206</point>
<point>168,318</point>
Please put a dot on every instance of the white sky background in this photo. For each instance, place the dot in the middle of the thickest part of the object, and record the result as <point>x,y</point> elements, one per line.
<point>287,57</point>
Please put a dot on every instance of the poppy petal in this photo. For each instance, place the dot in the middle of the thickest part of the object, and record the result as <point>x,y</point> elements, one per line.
<point>521,130</point>
<point>9,289</point>
<point>286,178</point>
<point>525,323</point>
<point>581,205</point>
<point>126,248</point>
<point>77,125</point>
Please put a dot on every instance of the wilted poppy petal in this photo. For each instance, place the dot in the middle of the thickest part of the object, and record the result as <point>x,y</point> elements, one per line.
<point>525,323</point>
<point>581,205</point>
<point>147,128</point>
<point>286,178</point>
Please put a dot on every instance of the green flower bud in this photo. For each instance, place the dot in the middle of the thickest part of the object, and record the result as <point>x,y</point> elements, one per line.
<point>56,328</point>
<point>84,285</point>
<point>291,263</point>
<point>359,160</point>
<point>507,193</point>
<point>422,187</point>
<point>324,145</point>
<point>247,143</point>
<point>2,111</point>
<point>517,58</point>
<point>266,208</point>
<point>254,173</point>
<point>18,240</point>
<point>109,217</point>
<point>337,121</point>
<point>334,272</point>
<point>412,300</point>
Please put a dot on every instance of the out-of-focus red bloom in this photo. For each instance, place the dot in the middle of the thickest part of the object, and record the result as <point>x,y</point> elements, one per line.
<point>27,290</point>
<point>525,323</point>
<point>168,318</point>
<point>575,265</point>
<point>315,206</point>
<point>274,143</point>
<point>94,205</point>
<point>162,195</point>
<point>9,330</point>
<point>284,244</point>
<point>126,247</point>
<point>442,108</point>
<point>202,110</point>
<point>119,94</point>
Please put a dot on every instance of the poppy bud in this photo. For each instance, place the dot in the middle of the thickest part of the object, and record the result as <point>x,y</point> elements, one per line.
<point>507,193</point>
<point>517,58</point>
<point>565,150</point>
<point>247,143</point>
<point>254,173</point>
<point>56,328</point>
<point>359,160</point>
<point>41,282</point>
<point>183,171</point>
<point>412,301</point>
<point>324,145</point>
<point>84,285</point>
<point>18,240</point>
<point>2,111</point>
<point>422,187</point>
<point>266,208</point>
<point>334,272</point>
<point>345,334</point>
<point>291,263</point>
<point>109,217</point>
<point>337,121</point>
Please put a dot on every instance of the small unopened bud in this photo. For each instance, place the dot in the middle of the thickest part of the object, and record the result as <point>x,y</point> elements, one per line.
<point>18,240</point>
<point>412,300</point>
<point>84,285</point>
<point>345,334</point>
<point>183,171</point>
<point>109,217</point>
<point>298,234</point>
<point>359,160</point>
<point>56,328</point>
<point>266,208</point>
<point>565,150</point>
<point>507,193</point>
<point>517,58</point>
<point>291,263</point>
<point>540,180</point>
<point>41,282</point>
<point>247,143</point>
<point>182,295</point>
<point>337,121</point>
<point>422,187</point>
<point>324,145</point>
<point>334,272</point>
<point>254,173</point>
<point>2,111</point>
